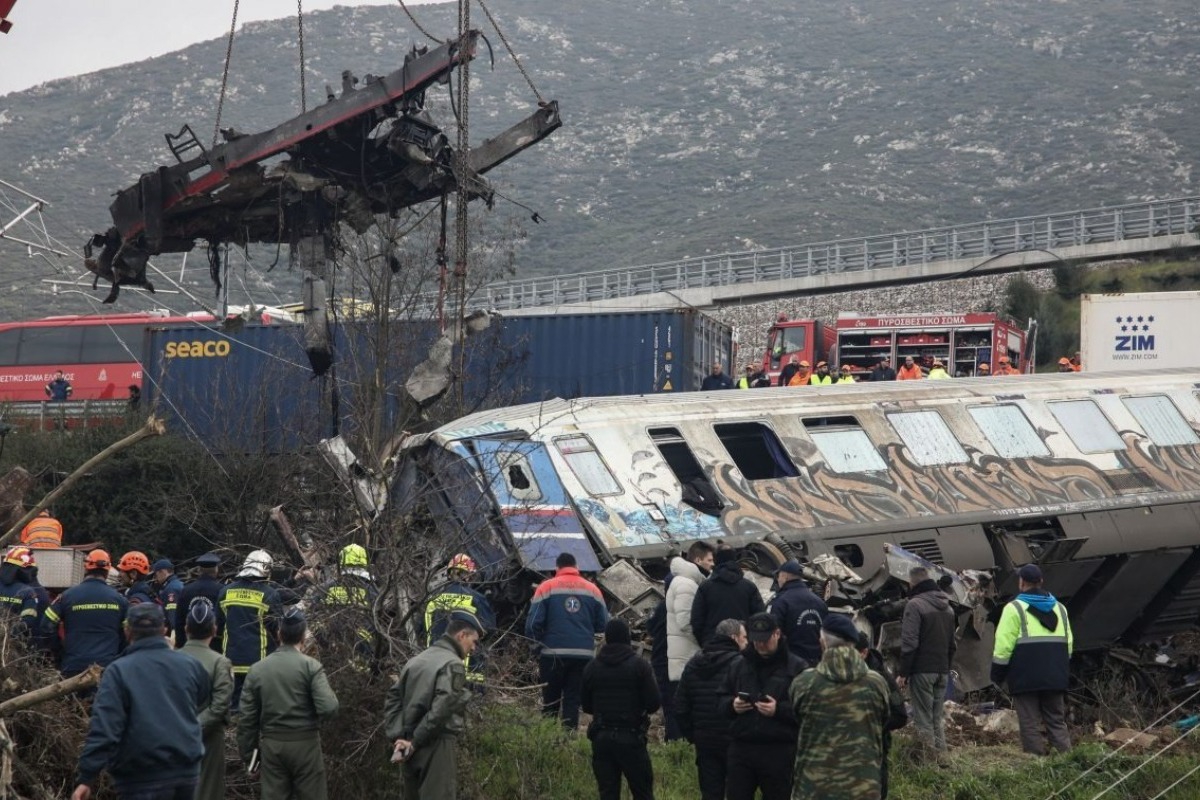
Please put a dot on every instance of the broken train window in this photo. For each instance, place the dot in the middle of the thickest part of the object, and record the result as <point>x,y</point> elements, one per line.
<point>1009,431</point>
<point>928,438</point>
<point>518,476</point>
<point>587,465</point>
<point>1161,420</point>
<point>697,490</point>
<point>756,450</point>
<point>844,445</point>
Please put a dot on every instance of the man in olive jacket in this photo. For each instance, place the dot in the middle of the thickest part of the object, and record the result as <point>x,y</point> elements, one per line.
<point>199,621</point>
<point>424,711</point>
<point>284,700</point>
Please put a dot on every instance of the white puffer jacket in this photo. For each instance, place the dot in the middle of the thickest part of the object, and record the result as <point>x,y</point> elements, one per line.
<point>681,642</point>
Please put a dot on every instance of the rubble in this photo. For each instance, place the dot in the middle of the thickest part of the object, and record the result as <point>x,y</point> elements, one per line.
<point>1131,738</point>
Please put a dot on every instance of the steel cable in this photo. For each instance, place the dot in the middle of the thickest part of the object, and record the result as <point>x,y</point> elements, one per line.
<point>225,72</point>
<point>512,53</point>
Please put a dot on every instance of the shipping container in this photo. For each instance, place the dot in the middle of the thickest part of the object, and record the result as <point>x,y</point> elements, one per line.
<point>1143,330</point>
<point>253,390</point>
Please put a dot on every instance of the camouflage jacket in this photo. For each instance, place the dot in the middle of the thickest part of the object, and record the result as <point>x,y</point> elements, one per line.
<point>841,707</point>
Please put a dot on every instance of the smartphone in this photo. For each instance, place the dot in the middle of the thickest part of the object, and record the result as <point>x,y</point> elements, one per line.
<point>745,697</point>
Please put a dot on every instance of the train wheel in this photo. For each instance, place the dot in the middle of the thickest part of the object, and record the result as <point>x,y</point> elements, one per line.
<point>763,557</point>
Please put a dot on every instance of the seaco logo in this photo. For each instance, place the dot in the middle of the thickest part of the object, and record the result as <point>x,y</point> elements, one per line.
<point>218,349</point>
<point>1133,338</point>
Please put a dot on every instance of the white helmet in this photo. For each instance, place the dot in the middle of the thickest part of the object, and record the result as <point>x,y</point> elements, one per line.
<point>257,565</point>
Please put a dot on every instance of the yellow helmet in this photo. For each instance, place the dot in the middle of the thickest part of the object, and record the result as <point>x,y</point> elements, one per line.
<point>463,562</point>
<point>20,556</point>
<point>353,555</point>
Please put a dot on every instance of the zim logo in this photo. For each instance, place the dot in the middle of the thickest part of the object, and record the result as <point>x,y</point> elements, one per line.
<point>1135,334</point>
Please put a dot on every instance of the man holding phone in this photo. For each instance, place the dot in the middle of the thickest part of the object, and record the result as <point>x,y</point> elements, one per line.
<point>764,728</point>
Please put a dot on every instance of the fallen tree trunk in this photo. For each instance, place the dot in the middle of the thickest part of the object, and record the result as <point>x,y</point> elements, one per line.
<point>84,680</point>
<point>153,427</point>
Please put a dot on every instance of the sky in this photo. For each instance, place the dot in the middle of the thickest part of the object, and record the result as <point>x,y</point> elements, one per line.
<point>57,38</point>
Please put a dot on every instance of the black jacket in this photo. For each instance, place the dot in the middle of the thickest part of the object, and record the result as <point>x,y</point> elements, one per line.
<point>700,720</point>
<point>619,690</point>
<point>758,676</point>
<point>799,613</point>
<point>725,595</point>
<point>927,633</point>
<point>883,374</point>
<point>787,372</point>
<point>656,626</point>
<point>712,382</point>
<point>897,711</point>
<point>203,586</point>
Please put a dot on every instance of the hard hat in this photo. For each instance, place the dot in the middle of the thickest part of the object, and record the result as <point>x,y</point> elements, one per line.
<point>986,366</point>
<point>353,555</point>
<point>134,561</point>
<point>97,559</point>
<point>1064,361</point>
<point>20,556</point>
<point>805,364</point>
<point>256,565</point>
<point>821,364</point>
<point>1004,359</point>
<point>463,562</point>
<point>937,362</point>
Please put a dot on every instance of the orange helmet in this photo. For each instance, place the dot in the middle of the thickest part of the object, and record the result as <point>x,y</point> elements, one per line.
<point>1004,359</point>
<point>134,561</point>
<point>20,556</point>
<point>97,559</point>
<point>463,562</point>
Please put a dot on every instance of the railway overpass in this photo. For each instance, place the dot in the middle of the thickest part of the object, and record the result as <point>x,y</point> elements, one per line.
<point>994,246</point>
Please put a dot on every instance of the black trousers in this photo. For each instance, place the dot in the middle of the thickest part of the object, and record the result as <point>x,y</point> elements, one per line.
<point>563,679</point>
<point>613,757</point>
<point>710,769</point>
<point>765,766</point>
<point>666,691</point>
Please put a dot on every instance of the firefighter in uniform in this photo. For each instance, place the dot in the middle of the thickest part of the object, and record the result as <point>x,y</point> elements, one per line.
<point>347,601</point>
<point>42,531</point>
<point>17,597</point>
<point>135,568</point>
<point>167,588</point>
<point>91,615</point>
<point>285,699</point>
<point>205,585</point>
<point>248,612</point>
<point>1006,367</point>
<point>457,593</point>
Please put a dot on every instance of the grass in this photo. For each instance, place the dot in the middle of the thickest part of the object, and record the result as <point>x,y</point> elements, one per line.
<point>511,753</point>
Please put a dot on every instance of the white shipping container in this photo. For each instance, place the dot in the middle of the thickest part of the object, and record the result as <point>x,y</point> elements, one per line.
<point>1145,330</point>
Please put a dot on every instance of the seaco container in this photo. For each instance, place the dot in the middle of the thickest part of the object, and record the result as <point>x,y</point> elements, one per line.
<point>252,389</point>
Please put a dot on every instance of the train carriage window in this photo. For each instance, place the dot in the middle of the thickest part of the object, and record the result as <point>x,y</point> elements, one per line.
<point>1161,420</point>
<point>518,476</point>
<point>844,445</point>
<point>1086,425</point>
<point>928,438</point>
<point>117,344</point>
<point>50,347</point>
<point>585,462</point>
<point>756,450</point>
<point>9,340</point>
<point>1009,431</point>
<point>697,490</point>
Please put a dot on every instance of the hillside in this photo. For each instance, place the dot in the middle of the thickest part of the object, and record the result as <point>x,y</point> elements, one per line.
<point>691,127</point>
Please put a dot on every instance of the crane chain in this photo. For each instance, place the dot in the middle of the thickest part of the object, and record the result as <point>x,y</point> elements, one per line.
<point>225,73</point>
<point>511,52</point>
<point>417,25</point>
<point>300,25</point>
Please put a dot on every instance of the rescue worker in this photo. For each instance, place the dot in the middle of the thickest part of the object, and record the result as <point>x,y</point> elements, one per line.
<point>346,602</point>
<point>1032,654</point>
<point>822,376</point>
<point>59,389</point>
<point>424,711</point>
<point>17,597</point>
<point>910,371</point>
<point>938,371</point>
<point>1064,365</point>
<point>91,615</point>
<point>166,587</point>
<point>1006,367</point>
<point>801,376</point>
<point>200,620</point>
<point>285,699</point>
<point>984,370</point>
<point>884,371</point>
<point>145,726</point>
<point>1077,362</point>
<point>798,611</point>
<point>248,612</point>
<point>747,380</point>
<point>846,376</point>
<point>786,374</point>
<point>135,568</point>
<point>457,593</point>
<point>42,531</point>
<point>565,614</point>
<point>717,379</point>
<point>619,693</point>
<point>204,585</point>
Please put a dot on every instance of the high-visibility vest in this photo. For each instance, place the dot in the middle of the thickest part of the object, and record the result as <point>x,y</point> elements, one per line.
<point>42,531</point>
<point>818,380</point>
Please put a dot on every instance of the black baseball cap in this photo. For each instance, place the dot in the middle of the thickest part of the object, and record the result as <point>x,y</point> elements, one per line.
<point>760,626</point>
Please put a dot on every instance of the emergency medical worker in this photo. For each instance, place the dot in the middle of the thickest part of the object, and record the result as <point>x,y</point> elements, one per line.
<point>424,711</point>
<point>457,593</point>
<point>822,378</point>
<point>248,612</point>
<point>347,601</point>
<point>286,698</point>
<point>135,569</point>
<point>17,597</point>
<point>91,615</point>
<point>42,531</point>
<point>1033,654</point>
<point>167,588</point>
<point>205,585</point>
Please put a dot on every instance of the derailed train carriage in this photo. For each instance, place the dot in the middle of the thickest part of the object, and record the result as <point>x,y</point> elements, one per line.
<point>1095,477</point>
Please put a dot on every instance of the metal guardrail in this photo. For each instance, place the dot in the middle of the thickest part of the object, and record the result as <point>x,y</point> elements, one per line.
<point>47,413</point>
<point>982,240</point>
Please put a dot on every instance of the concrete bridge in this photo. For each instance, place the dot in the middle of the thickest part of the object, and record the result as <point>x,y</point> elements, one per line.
<point>994,246</point>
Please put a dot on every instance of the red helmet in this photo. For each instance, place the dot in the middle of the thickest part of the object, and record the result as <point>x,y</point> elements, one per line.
<point>134,561</point>
<point>97,559</point>
<point>463,562</point>
<point>21,556</point>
